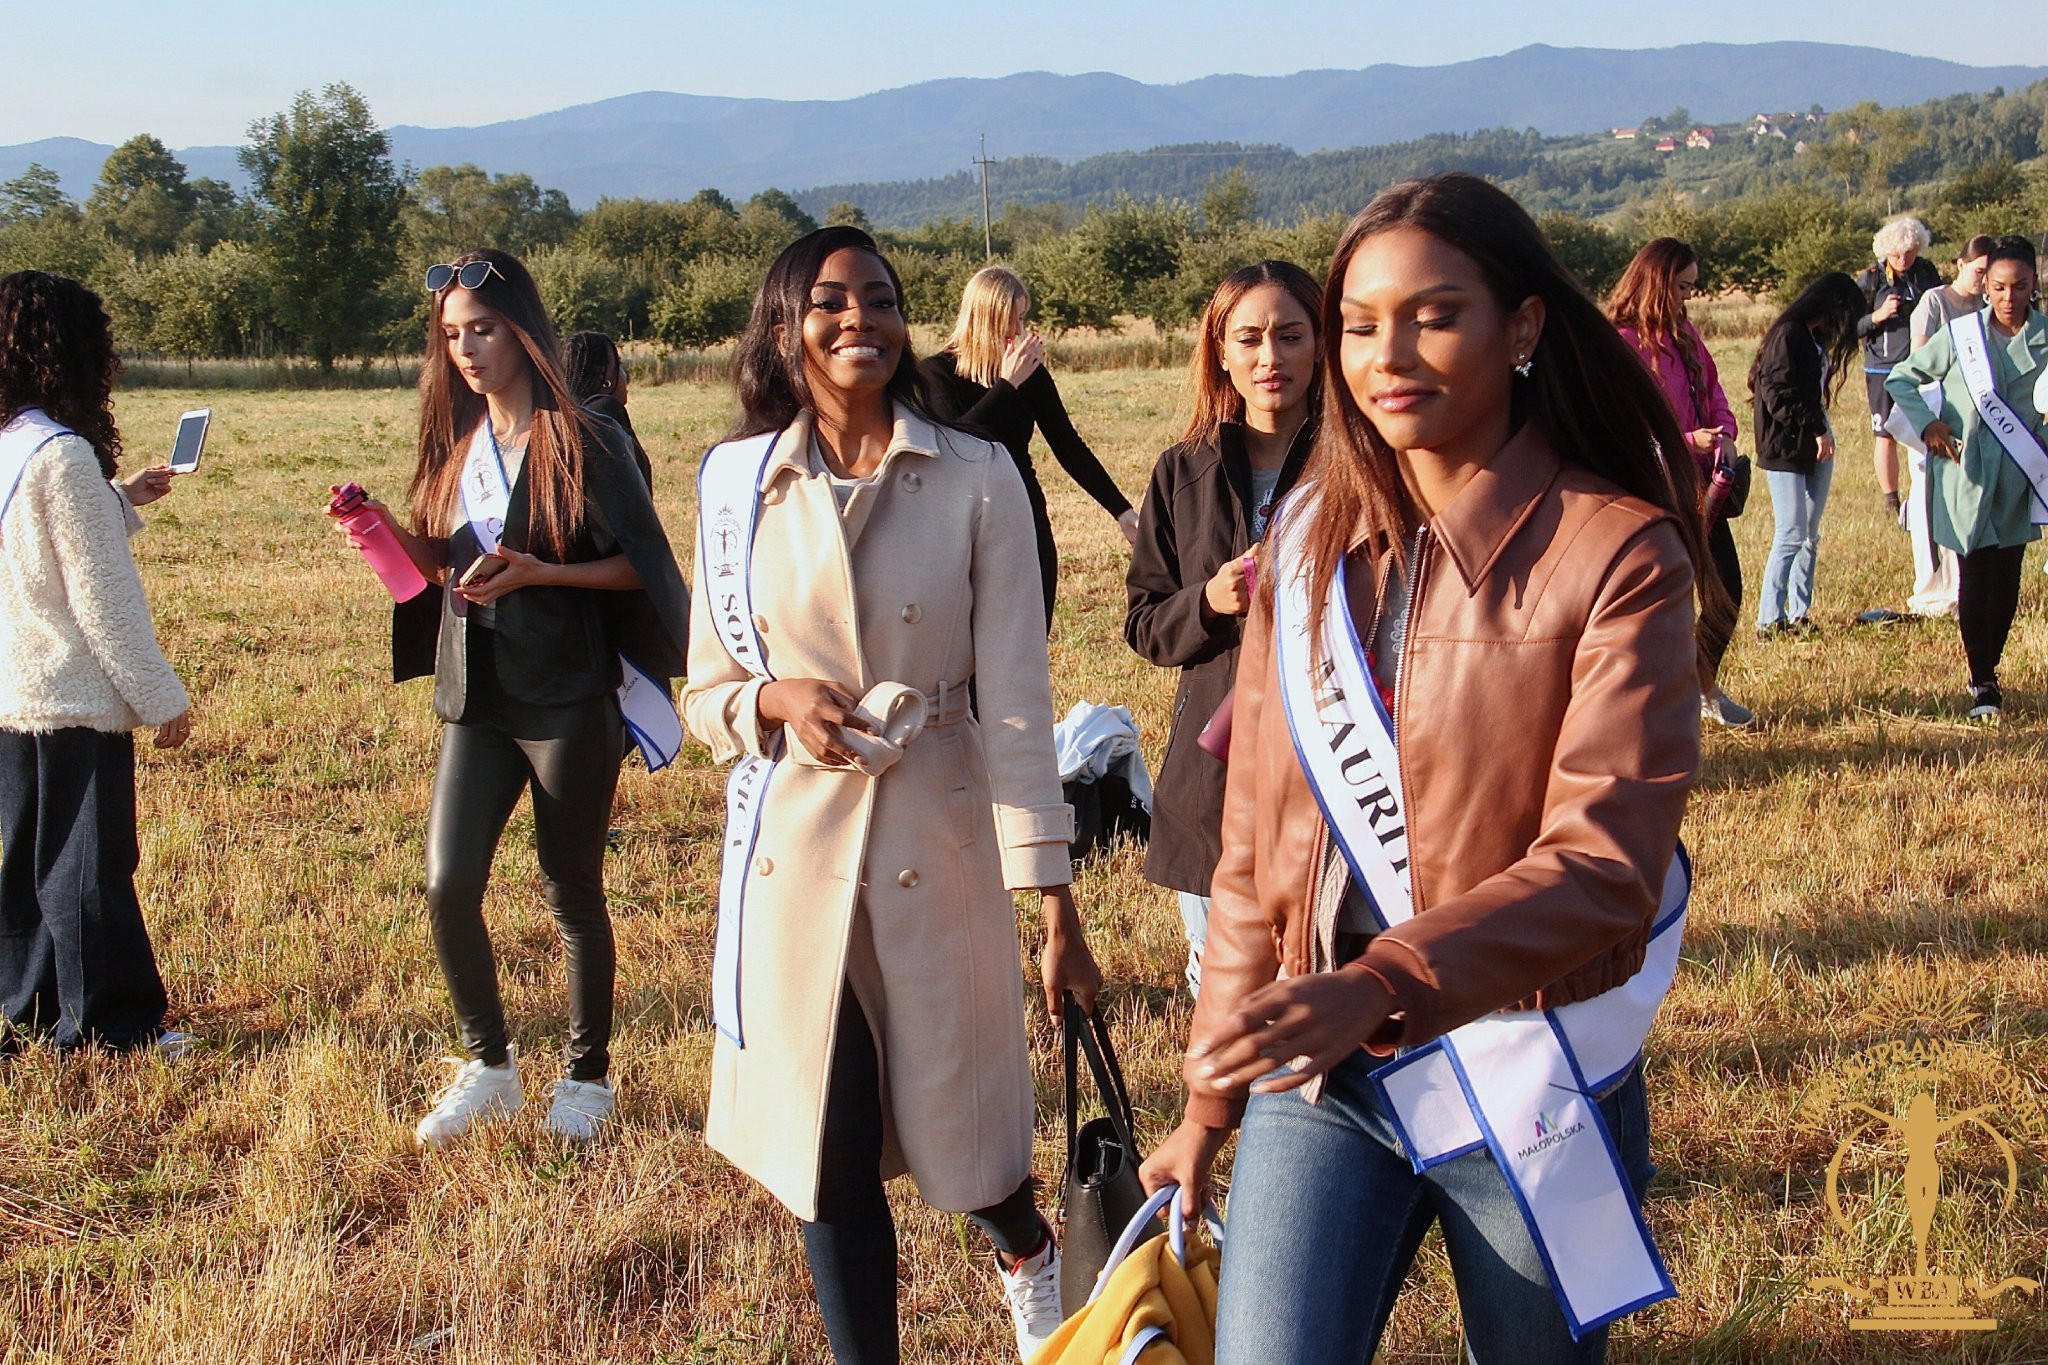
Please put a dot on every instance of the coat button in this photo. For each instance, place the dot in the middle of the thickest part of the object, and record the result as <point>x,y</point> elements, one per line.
<point>763,865</point>
<point>907,878</point>
<point>912,614</point>
<point>760,623</point>
<point>911,482</point>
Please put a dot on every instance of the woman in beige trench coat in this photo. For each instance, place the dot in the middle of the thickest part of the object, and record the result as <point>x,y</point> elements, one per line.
<point>859,566</point>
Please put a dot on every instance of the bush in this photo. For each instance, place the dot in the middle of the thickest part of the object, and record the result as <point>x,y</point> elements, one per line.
<point>1594,254</point>
<point>709,304</point>
<point>584,290</point>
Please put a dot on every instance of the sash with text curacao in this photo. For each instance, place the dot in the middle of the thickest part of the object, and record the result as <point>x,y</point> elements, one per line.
<point>728,508</point>
<point>1519,1083</point>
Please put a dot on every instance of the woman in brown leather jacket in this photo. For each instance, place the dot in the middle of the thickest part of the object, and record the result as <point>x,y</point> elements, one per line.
<point>1490,536</point>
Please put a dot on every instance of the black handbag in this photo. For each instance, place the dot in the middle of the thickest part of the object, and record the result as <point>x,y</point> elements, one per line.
<point>1743,474</point>
<point>1102,1189</point>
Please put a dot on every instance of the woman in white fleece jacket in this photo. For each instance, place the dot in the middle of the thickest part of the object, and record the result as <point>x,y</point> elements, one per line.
<point>79,671</point>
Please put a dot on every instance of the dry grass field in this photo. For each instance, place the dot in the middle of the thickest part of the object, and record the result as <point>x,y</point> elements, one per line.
<point>1869,869</point>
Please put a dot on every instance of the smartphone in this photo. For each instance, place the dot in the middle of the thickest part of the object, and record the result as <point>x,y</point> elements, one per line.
<point>480,568</point>
<point>191,440</point>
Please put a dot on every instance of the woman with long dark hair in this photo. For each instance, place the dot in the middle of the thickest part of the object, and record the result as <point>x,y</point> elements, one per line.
<point>1199,532</point>
<point>1986,463</point>
<point>990,377</point>
<point>860,565</point>
<point>80,671</point>
<point>555,580</point>
<point>598,377</point>
<point>1648,308</point>
<point>1466,723</point>
<point>1798,369</point>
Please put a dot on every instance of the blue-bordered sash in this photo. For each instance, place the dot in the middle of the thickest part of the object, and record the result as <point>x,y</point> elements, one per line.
<point>20,439</point>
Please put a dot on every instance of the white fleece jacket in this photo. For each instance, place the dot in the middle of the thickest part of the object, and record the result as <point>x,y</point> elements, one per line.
<point>76,645</point>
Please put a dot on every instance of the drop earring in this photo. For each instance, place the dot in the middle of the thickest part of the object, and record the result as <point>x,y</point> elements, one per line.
<point>1523,366</point>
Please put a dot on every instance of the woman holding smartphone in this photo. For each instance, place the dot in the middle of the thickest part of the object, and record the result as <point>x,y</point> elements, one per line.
<point>1466,723</point>
<point>866,571</point>
<point>558,577</point>
<point>991,377</point>
<point>1205,513</point>
<point>80,671</point>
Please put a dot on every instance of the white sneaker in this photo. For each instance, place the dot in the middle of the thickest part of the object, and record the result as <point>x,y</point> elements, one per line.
<point>1033,1290</point>
<point>172,1045</point>
<point>477,1093</point>
<point>580,1108</point>
<point>1718,707</point>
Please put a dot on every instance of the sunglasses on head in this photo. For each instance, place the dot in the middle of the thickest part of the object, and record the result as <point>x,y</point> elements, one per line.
<point>470,275</point>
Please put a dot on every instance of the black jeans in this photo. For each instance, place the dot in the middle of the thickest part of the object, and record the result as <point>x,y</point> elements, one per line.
<point>1728,568</point>
<point>1987,598</point>
<point>568,756</point>
<point>852,1246</point>
<point>75,960</point>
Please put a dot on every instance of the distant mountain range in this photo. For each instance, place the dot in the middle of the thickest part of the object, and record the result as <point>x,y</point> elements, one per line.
<point>672,145</point>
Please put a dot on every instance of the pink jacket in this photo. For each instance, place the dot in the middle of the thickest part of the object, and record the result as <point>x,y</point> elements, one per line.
<point>1669,368</point>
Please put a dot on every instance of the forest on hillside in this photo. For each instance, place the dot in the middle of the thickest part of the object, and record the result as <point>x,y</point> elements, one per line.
<point>322,257</point>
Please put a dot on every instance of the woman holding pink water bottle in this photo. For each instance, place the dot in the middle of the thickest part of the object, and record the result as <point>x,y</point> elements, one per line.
<point>554,583</point>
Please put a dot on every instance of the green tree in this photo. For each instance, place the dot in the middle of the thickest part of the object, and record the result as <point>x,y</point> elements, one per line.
<point>453,209</point>
<point>583,290</point>
<point>36,193</point>
<point>330,196</point>
<point>1595,254</point>
<point>142,201</point>
<point>709,304</point>
<point>1229,201</point>
<point>844,214</point>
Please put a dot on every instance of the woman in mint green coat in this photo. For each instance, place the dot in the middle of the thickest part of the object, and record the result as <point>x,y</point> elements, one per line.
<point>1989,486</point>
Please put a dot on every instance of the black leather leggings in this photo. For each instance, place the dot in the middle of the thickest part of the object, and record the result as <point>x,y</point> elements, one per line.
<point>568,756</point>
<point>1987,599</point>
<point>852,1246</point>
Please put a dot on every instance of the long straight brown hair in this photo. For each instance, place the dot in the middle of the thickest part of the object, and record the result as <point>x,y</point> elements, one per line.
<point>1646,300</point>
<point>1216,399</point>
<point>450,411</point>
<point>1591,398</point>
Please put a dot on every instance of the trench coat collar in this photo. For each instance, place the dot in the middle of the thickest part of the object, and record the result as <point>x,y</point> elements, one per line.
<point>914,434</point>
<point>2024,348</point>
<point>1493,505</point>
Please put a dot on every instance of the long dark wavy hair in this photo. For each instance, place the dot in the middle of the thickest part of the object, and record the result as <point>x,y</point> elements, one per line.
<point>1216,399</point>
<point>450,411</point>
<point>1828,309</point>
<point>1588,394</point>
<point>1646,300</point>
<point>769,373</point>
<point>57,353</point>
<point>589,358</point>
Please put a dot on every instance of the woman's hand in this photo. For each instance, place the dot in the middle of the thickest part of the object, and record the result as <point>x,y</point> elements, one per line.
<point>175,731</point>
<point>1705,441</point>
<point>815,710</point>
<point>1824,446</point>
<point>521,570</point>
<point>1185,1159</point>
<point>1065,964</point>
<point>1941,440</point>
<point>1229,590</point>
<point>1887,310</point>
<point>1021,358</point>
<point>1307,1023</point>
<point>1128,524</point>
<point>147,485</point>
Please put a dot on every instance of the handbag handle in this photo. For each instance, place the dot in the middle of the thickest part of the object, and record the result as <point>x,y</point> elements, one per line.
<point>1176,1233</point>
<point>1083,1030</point>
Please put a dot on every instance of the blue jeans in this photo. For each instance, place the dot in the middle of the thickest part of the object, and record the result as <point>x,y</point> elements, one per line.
<point>1797,501</point>
<point>1326,1213</point>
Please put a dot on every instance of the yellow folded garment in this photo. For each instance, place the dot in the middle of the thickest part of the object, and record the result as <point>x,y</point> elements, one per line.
<point>1152,1311</point>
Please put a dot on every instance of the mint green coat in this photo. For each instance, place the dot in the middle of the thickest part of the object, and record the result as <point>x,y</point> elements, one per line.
<point>1981,500</point>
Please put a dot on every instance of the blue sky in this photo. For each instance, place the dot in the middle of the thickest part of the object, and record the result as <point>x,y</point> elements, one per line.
<point>198,73</point>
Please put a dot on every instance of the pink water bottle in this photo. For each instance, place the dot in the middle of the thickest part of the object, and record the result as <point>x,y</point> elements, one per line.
<point>379,543</point>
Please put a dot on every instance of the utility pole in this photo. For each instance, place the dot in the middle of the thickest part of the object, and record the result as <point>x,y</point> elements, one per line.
<point>988,244</point>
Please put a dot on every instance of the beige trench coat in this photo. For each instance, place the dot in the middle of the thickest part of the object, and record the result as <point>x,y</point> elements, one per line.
<point>895,884</point>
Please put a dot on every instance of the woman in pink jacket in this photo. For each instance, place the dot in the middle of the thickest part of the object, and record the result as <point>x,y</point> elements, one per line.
<point>1648,306</point>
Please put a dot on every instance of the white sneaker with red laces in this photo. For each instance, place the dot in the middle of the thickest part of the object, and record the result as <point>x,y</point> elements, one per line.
<point>1033,1289</point>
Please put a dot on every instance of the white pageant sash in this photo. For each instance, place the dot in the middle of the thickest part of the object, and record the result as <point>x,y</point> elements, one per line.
<point>20,439</point>
<point>1521,1083</point>
<point>728,505</point>
<point>646,708</point>
<point>1973,354</point>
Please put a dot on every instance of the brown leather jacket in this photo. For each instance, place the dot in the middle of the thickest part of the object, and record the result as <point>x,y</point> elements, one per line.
<point>1547,714</point>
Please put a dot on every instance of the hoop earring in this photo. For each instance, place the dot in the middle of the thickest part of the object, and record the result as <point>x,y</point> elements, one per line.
<point>1524,366</point>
